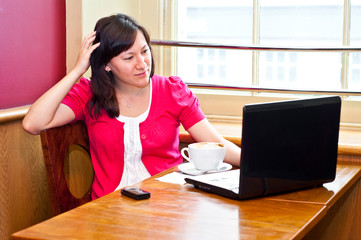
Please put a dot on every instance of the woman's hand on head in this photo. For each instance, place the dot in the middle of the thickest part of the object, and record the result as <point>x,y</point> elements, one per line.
<point>83,61</point>
<point>48,111</point>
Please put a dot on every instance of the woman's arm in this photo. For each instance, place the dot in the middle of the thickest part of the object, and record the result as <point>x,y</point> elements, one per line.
<point>203,131</point>
<point>47,111</point>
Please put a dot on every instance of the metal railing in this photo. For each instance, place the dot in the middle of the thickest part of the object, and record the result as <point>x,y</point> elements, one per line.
<point>254,47</point>
<point>343,49</point>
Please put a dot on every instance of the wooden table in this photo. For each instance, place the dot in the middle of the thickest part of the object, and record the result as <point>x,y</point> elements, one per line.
<point>177,211</point>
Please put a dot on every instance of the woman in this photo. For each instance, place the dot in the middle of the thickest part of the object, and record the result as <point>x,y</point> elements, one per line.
<point>132,115</point>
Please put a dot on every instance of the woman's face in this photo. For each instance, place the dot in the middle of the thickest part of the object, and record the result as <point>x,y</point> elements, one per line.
<point>132,67</point>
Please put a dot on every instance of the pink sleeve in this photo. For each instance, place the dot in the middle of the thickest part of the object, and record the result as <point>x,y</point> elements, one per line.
<point>78,97</point>
<point>185,103</point>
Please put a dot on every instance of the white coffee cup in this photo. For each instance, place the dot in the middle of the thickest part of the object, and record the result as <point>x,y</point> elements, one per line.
<point>205,156</point>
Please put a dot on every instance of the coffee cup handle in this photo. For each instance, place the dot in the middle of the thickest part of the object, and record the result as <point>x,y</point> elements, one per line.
<point>184,155</point>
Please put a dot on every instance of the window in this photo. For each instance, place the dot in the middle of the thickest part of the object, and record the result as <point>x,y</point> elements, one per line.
<point>281,23</point>
<point>355,40</point>
<point>265,74</point>
<point>222,22</point>
<point>302,23</point>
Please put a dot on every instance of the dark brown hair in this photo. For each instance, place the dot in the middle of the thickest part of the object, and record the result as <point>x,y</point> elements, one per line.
<point>116,34</point>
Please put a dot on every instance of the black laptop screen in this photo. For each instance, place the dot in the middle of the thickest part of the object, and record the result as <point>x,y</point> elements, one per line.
<point>295,139</point>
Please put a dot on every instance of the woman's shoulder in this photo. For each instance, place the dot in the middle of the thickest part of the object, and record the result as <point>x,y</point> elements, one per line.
<point>168,82</point>
<point>172,87</point>
<point>80,92</point>
<point>82,87</point>
<point>84,82</point>
<point>78,97</point>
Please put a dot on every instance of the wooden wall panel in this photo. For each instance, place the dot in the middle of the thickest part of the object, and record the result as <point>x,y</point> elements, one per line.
<point>343,220</point>
<point>24,195</point>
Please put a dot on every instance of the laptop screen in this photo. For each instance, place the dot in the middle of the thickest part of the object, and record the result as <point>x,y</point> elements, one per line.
<point>289,145</point>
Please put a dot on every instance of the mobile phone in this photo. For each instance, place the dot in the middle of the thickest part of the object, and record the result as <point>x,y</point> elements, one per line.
<point>135,193</point>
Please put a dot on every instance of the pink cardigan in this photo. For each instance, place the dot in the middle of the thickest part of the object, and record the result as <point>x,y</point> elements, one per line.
<point>172,104</point>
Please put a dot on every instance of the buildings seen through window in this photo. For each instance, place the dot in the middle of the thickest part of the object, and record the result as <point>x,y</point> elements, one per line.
<point>281,23</point>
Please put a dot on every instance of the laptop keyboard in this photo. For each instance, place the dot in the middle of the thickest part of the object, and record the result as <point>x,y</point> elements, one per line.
<point>227,180</point>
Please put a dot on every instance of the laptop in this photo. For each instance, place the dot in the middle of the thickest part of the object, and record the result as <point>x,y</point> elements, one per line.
<point>286,146</point>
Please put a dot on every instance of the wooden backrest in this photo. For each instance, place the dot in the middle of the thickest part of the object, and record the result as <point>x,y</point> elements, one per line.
<point>56,143</point>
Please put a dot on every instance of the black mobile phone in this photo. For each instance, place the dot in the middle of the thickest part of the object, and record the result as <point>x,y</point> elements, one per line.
<point>135,193</point>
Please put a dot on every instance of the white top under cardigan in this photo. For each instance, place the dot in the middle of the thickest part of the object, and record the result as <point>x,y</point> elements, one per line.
<point>134,169</point>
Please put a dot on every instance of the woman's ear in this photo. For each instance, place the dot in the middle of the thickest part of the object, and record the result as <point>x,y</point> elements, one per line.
<point>107,68</point>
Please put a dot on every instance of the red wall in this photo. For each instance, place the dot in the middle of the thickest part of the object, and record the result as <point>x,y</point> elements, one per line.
<point>32,49</point>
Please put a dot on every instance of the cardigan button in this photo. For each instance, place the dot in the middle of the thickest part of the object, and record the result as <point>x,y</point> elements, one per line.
<point>144,136</point>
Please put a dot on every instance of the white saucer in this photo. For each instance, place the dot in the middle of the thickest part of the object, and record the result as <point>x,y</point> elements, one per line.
<point>188,168</point>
